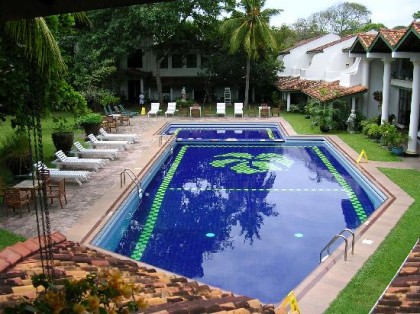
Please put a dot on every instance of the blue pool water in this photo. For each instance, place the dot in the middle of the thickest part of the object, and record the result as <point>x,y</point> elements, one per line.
<point>237,132</point>
<point>250,218</point>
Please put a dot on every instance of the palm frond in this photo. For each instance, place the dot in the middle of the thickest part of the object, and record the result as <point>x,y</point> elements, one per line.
<point>38,43</point>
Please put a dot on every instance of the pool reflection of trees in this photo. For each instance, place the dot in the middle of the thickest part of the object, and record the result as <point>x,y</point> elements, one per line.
<point>181,246</point>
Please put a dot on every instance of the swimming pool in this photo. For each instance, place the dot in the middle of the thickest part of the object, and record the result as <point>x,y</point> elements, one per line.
<point>225,132</point>
<point>247,217</point>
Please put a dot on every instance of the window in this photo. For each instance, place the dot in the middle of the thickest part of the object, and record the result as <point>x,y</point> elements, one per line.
<point>177,61</point>
<point>164,63</point>
<point>135,59</point>
<point>191,60</point>
<point>404,105</point>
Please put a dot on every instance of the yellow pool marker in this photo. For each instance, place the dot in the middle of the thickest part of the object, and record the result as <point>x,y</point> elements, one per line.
<point>290,300</point>
<point>362,155</point>
<point>143,111</point>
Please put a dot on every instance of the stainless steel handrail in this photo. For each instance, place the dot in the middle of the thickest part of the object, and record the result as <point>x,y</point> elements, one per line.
<point>338,236</point>
<point>133,178</point>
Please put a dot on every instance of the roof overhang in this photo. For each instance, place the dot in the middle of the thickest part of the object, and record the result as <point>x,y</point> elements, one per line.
<point>22,9</point>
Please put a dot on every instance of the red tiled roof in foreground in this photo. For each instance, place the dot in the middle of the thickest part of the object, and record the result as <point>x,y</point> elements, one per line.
<point>392,36</point>
<point>403,294</point>
<point>366,39</point>
<point>163,292</point>
<point>321,90</point>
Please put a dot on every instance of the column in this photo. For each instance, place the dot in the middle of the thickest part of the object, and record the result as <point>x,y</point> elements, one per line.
<point>288,101</point>
<point>142,85</point>
<point>386,83</point>
<point>414,115</point>
<point>365,82</point>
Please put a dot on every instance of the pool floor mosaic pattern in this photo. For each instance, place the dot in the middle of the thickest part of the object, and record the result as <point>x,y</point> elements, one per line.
<point>250,219</point>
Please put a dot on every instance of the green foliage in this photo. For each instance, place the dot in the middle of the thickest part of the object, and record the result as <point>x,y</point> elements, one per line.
<point>416,15</point>
<point>14,143</point>
<point>90,119</point>
<point>391,136</point>
<point>8,238</point>
<point>103,292</point>
<point>106,97</point>
<point>61,125</point>
<point>344,18</point>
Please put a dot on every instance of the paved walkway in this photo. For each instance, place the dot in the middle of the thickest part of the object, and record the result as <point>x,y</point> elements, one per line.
<point>95,200</point>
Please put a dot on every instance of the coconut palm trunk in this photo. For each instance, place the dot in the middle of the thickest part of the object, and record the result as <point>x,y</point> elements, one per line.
<point>248,74</point>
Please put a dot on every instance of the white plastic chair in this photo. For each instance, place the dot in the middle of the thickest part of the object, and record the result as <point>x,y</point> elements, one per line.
<point>238,109</point>
<point>109,153</point>
<point>221,108</point>
<point>56,174</point>
<point>171,108</point>
<point>154,109</point>
<point>76,162</point>
<point>96,143</point>
<point>105,136</point>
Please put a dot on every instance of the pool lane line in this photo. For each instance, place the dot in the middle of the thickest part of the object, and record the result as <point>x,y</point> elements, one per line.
<point>156,205</point>
<point>346,187</point>
<point>256,189</point>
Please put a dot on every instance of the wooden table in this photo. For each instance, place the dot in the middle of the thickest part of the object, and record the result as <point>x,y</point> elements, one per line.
<point>28,185</point>
<point>195,108</point>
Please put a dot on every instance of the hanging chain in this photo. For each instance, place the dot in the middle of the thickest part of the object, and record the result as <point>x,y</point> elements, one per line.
<point>38,178</point>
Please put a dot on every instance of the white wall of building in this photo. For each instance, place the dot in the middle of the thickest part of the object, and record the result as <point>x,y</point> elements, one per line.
<point>298,59</point>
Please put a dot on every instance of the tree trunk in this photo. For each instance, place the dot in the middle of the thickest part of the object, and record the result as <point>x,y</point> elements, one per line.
<point>248,71</point>
<point>158,80</point>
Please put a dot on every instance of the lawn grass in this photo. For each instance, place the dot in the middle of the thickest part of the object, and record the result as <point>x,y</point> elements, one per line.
<point>356,141</point>
<point>8,238</point>
<point>366,287</point>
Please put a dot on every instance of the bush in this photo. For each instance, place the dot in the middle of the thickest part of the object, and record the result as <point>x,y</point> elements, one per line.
<point>105,292</point>
<point>90,119</point>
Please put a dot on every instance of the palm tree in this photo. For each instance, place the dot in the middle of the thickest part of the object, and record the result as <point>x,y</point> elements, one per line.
<point>250,30</point>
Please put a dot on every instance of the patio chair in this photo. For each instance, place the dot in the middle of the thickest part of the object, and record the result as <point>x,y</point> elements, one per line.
<point>2,188</point>
<point>221,109</point>
<point>56,174</point>
<point>238,109</point>
<point>126,112</point>
<point>15,198</point>
<point>265,111</point>
<point>94,142</point>
<point>110,153</point>
<point>110,123</point>
<point>105,136</point>
<point>78,163</point>
<point>171,109</point>
<point>124,118</point>
<point>154,109</point>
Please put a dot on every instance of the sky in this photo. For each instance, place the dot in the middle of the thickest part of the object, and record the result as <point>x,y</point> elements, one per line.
<point>391,13</point>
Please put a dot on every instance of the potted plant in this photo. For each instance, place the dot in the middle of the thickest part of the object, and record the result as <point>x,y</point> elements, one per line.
<point>91,123</point>
<point>62,135</point>
<point>322,115</point>
<point>15,153</point>
<point>395,140</point>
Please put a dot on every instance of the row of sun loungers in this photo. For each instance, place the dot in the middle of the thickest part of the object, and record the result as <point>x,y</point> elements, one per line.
<point>220,109</point>
<point>76,168</point>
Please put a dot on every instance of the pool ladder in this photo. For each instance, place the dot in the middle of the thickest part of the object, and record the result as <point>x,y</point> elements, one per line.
<point>133,178</point>
<point>335,238</point>
<point>165,137</point>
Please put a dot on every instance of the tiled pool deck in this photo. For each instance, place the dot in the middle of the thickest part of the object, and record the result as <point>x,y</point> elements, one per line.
<point>89,205</point>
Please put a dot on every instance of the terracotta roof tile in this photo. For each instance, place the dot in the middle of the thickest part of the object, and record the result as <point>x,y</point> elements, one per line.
<point>403,294</point>
<point>164,292</point>
<point>416,26</point>
<point>327,91</point>
<point>366,39</point>
<point>392,36</point>
<point>295,84</point>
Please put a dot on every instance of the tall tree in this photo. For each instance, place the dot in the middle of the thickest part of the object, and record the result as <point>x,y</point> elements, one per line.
<point>344,18</point>
<point>249,31</point>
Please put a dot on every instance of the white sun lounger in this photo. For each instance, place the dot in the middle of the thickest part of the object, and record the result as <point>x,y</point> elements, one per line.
<point>238,109</point>
<point>96,143</point>
<point>154,109</point>
<point>109,153</point>
<point>78,163</point>
<point>221,109</point>
<point>105,136</point>
<point>56,174</point>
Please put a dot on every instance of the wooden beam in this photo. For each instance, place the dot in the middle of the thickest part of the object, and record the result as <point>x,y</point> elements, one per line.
<point>22,9</point>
